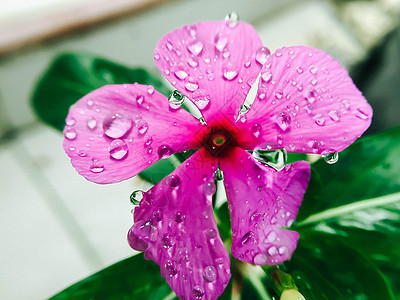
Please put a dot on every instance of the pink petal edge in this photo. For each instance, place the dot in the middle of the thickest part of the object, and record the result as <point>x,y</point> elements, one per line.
<point>212,63</point>
<point>116,131</point>
<point>175,226</point>
<point>262,201</point>
<point>307,102</point>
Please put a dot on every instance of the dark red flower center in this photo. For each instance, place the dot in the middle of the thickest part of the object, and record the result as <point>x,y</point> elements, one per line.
<point>218,142</point>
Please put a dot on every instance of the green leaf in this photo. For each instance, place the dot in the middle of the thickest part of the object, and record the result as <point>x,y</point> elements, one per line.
<point>132,278</point>
<point>71,76</point>
<point>325,267</point>
<point>358,200</point>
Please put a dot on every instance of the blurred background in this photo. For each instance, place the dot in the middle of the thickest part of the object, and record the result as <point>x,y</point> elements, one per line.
<point>57,228</point>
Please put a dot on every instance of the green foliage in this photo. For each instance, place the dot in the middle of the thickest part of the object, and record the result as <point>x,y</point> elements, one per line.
<point>72,76</point>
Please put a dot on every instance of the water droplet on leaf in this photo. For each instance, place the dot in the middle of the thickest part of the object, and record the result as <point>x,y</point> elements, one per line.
<point>330,157</point>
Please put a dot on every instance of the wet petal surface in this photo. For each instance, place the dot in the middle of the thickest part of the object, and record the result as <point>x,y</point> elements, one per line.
<point>175,226</point>
<point>262,201</point>
<point>117,131</point>
<point>307,102</point>
<point>212,63</point>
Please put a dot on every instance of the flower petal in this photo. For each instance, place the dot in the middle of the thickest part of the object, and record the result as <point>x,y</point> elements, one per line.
<point>116,131</point>
<point>175,226</point>
<point>263,201</point>
<point>307,102</point>
<point>212,63</point>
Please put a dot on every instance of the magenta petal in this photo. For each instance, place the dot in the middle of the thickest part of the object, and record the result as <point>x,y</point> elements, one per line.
<point>263,201</point>
<point>175,226</point>
<point>307,102</point>
<point>212,63</point>
<point>116,131</point>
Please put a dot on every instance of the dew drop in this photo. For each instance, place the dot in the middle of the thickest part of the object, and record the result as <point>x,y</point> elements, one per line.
<point>361,114</point>
<point>91,123</point>
<point>247,64</point>
<point>299,70</point>
<point>219,175</point>
<point>260,259</point>
<point>271,237</point>
<point>70,134</point>
<point>262,55</point>
<point>180,74</point>
<point>179,217</point>
<point>319,120</point>
<point>118,149</point>
<point>96,167</point>
<point>136,197</point>
<point>272,251</point>
<point>229,70</point>
<point>330,157</point>
<point>209,188</point>
<point>200,99</point>
<point>334,115</point>
<point>148,140</point>
<point>116,125</point>
<point>219,261</point>
<point>256,130</point>
<point>211,233</point>
<point>173,181</point>
<point>195,47</point>
<point>209,273</point>
<point>170,268</point>
<point>70,121</point>
<point>176,98</point>
<point>282,250</point>
<point>248,237</point>
<point>266,77</point>
<point>164,151</point>
<point>275,159</point>
<point>142,126</point>
<point>283,121</point>
<point>167,240</point>
<point>157,215</point>
<point>278,94</point>
<point>232,20</point>
<point>314,81</point>
<point>202,121</point>
<point>198,292</point>
<point>313,69</point>
<point>139,99</point>
<point>150,90</point>
<point>191,83</point>
<point>220,41</point>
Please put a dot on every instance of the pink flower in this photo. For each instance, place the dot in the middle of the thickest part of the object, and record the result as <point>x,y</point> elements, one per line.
<point>305,102</point>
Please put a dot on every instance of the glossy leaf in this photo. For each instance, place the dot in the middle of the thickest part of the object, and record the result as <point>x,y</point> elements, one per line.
<point>325,267</point>
<point>71,76</point>
<point>132,278</point>
<point>358,200</point>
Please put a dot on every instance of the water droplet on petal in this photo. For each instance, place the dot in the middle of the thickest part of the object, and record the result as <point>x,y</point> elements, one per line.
<point>314,81</point>
<point>136,197</point>
<point>334,115</point>
<point>248,237</point>
<point>170,268</point>
<point>209,188</point>
<point>139,99</point>
<point>179,217</point>
<point>271,237</point>
<point>180,74</point>
<point>200,99</point>
<point>260,259</point>
<point>191,83</point>
<point>313,69</point>
<point>195,47</point>
<point>247,64</point>
<point>232,20</point>
<point>157,215</point>
<point>278,94</point>
<point>282,250</point>
<point>219,175</point>
<point>283,121</point>
<point>164,151</point>
<point>70,121</point>
<point>150,90</point>
<point>116,125</point>
<point>262,55</point>
<point>173,181</point>
<point>299,70</point>
<point>118,149</point>
<point>198,292</point>
<point>70,134</point>
<point>256,130</point>
<point>209,273</point>
<point>229,70</point>
<point>220,41</point>
<point>176,98</point>
<point>96,167</point>
<point>272,251</point>
<point>142,126</point>
<point>319,120</point>
<point>330,157</point>
<point>275,159</point>
<point>211,233</point>
<point>361,114</point>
